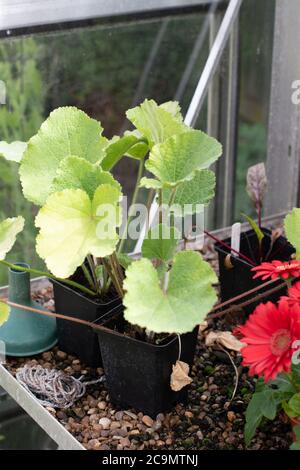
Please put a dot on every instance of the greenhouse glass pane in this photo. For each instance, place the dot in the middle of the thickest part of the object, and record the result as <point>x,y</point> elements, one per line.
<point>256,46</point>
<point>103,69</point>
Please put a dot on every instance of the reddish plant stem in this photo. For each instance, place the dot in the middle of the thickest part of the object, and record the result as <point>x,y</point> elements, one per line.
<point>229,247</point>
<point>244,294</point>
<point>235,308</point>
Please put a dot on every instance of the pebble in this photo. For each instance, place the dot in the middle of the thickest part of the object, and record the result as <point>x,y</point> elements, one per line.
<point>102,405</point>
<point>105,423</point>
<point>147,420</point>
<point>231,416</point>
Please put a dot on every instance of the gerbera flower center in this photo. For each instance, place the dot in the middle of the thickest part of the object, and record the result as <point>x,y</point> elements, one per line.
<point>280,341</point>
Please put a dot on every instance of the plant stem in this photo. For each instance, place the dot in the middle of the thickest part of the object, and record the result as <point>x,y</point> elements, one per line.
<point>133,201</point>
<point>93,271</point>
<point>116,275</point>
<point>88,276</point>
<point>229,247</point>
<point>258,297</point>
<point>160,203</point>
<point>50,276</point>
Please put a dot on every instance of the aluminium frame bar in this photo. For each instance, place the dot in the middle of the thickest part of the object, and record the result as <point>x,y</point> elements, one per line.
<point>201,90</point>
<point>16,14</point>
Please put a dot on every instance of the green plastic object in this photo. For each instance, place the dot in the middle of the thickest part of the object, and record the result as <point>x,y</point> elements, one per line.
<point>26,333</point>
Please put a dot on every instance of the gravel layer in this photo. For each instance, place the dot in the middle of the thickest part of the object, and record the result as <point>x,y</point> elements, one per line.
<point>209,420</point>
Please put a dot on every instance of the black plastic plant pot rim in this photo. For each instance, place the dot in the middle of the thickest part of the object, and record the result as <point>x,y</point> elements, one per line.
<point>77,339</point>
<point>237,277</point>
<point>79,294</point>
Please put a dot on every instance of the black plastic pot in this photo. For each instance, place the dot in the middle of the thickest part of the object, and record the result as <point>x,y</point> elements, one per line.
<point>78,339</point>
<point>138,373</point>
<point>239,278</point>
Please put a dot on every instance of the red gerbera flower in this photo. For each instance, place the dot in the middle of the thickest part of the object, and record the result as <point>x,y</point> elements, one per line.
<point>276,269</point>
<point>294,294</point>
<point>269,334</point>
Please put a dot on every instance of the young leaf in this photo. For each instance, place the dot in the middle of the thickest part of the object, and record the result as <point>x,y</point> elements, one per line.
<point>292,229</point>
<point>67,131</point>
<point>120,146</point>
<point>4,312</point>
<point>192,195</point>
<point>185,302</point>
<point>9,230</point>
<point>173,107</point>
<point>257,182</point>
<point>124,260</point>
<point>154,122</point>
<point>178,158</point>
<point>14,151</point>
<point>70,224</point>
<point>160,243</point>
<point>259,233</point>
<point>78,173</point>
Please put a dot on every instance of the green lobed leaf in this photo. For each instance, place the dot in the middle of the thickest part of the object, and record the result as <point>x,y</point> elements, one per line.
<point>185,302</point>
<point>178,158</point>
<point>14,151</point>
<point>71,227</point>
<point>292,229</point>
<point>9,229</point>
<point>78,173</point>
<point>192,195</point>
<point>296,445</point>
<point>155,122</point>
<point>160,243</point>
<point>67,131</point>
<point>4,312</point>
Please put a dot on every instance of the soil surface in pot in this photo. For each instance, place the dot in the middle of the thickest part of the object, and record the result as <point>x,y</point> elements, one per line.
<point>211,419</point>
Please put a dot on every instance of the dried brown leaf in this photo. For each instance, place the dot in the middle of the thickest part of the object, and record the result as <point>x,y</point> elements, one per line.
<point>180,376</point>
<point>225,338</point>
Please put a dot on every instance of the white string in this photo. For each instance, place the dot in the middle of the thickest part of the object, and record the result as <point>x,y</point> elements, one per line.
<point>53,387</point>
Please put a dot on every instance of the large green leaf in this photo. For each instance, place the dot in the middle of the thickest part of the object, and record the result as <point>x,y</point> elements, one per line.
<point>4,312</point>
<point>180,306</point>
<point>160,243</point>
<point>292,229</point>
<point>178,158</point>
<point>191,195</point>
<point>67,131</point>
<point>9,229</point>
<point>156,123</point>
<point>14,151</point>
<point>78,173</point>
<point>70,227</point>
